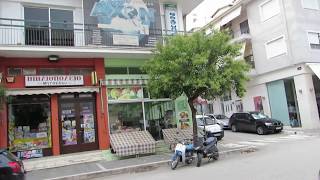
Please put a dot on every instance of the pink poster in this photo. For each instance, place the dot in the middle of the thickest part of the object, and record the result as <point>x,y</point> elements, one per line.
<point>258,103</point>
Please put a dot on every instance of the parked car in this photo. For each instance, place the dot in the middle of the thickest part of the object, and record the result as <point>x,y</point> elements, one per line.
<point>11,167</point>
<point>210,125</point>
<point>221,119</point>
<point>254,122</point>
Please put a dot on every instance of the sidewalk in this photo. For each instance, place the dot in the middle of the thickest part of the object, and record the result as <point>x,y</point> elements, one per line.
<point>290,130</point>
<point>81,166</point>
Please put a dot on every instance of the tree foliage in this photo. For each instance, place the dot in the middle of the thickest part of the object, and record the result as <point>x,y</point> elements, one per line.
<point>197,65</point>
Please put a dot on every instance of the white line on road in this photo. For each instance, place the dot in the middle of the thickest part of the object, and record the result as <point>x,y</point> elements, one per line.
<point>101,167</point>
<point>252,143</point>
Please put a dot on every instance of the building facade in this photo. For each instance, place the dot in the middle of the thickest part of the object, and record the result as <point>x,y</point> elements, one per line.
<point>281,42</point>
<point>72,71</point>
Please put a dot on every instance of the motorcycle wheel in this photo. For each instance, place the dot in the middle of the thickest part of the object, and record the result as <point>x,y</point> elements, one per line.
<point>216,156</point>
<point>174,163</point>
<point>199,159</point>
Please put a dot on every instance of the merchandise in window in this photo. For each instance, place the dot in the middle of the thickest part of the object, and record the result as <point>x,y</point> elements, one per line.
<point>29,123</point>
<point>126,117</point>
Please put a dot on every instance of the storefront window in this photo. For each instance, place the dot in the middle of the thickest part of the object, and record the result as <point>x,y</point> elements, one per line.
<point>126,117</point>
<point>293,109</point>
<point>159,115</point>
<point>29,123</point>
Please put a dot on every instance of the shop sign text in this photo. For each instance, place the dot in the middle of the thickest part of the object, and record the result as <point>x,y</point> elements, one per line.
<point>54,80</point>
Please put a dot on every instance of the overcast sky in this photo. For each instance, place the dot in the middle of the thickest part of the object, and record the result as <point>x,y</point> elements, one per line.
<point>201,15</point>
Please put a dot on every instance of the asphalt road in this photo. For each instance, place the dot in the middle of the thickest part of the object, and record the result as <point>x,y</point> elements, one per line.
<point>287,160</point>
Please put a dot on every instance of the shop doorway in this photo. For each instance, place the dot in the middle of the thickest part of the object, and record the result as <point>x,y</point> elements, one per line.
<point>77,114</point>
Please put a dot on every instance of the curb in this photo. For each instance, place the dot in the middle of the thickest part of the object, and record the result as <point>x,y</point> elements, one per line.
<point>144,167</point>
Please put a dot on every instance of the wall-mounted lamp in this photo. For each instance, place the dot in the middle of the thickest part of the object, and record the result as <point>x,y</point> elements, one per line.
<point>53,58</point>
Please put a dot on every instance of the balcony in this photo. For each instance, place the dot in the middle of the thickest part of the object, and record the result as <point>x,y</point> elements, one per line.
<point>16,32</point>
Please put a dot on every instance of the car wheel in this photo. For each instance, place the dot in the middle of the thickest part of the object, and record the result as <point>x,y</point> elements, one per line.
<point>260,130</point>
<point>234,128</point>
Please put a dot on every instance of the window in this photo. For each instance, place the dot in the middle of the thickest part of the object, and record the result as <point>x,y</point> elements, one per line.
<point>269,9</point>
<point>135,70</point>
<point>276,47</point>
<point>244,27</point>
<point>310,4</point>
<point>29,123</point>
<point>51,71</point>
<point>29,71</point>
<point>14,71</point>
<point>37,31</point>
<point>80,71</point>
<point>116,70</point>
<point>314,40</point>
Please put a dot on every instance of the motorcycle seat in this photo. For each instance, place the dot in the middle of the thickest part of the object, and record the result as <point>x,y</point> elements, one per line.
<point>210,140</point>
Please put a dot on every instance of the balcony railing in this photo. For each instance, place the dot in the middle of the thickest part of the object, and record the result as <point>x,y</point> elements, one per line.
<point>37,33</point>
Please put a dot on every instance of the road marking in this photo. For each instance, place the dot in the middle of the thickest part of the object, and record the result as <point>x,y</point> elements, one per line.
<point>264,141</point>
<point>101,167</point>
<point>232,145</point>
<point>252,143</point>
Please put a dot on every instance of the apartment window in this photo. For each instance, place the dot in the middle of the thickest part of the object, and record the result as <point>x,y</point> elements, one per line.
<point>310,4</point>
<point>45,26</point>
<point>244,27</point>
<point>276,47</point>
<point>268,9</point>
<point>314,40</point>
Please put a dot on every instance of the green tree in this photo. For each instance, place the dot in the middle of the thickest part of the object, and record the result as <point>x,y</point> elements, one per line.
<point>197,65</point>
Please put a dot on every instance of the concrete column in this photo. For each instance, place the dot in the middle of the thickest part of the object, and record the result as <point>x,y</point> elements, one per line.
<point>307,101</point>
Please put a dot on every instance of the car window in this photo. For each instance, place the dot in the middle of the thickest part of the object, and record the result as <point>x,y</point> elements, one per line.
<point>208,121</point>
<point>259,115</point>
<point>223,117</point>
<point>241,116</point>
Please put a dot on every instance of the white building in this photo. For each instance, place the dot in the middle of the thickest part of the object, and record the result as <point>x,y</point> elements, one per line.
<point>281,40</point>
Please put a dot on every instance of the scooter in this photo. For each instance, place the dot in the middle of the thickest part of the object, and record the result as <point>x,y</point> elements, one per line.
<point>183,153</point>
<point>207,149</point>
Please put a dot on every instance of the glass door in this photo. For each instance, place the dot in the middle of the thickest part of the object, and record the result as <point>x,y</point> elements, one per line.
<point>68,124</point>
<point>78,124</point>
<point>87,124</point>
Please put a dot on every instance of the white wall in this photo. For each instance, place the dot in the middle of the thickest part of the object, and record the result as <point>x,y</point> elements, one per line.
<point>254,91</point>
<point>307,101</point>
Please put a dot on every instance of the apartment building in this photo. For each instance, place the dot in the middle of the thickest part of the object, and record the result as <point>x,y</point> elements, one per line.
<point>281,42</point>
<point>71,69</point>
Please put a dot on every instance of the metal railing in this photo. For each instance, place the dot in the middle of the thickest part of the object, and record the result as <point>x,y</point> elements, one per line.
<point>40,33</point>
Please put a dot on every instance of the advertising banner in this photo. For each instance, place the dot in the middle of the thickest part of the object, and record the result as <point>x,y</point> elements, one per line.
<point>171,15</point>
<point>125,93</point>
<point>183,112</point>
<point>114,20</point>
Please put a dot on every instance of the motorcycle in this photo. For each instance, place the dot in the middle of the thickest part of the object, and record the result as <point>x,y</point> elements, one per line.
<point>183,153</point>
<point>207,149</point>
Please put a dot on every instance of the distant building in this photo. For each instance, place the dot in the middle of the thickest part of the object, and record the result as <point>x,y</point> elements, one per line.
<point>281,42</point>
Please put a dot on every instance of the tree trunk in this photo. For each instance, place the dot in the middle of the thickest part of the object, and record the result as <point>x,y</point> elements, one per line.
<point>194,121</point>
